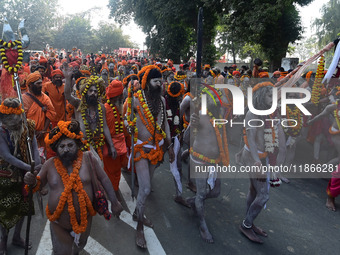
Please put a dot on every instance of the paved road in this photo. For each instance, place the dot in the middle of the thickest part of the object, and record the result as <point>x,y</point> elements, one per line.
<point>295,218</point>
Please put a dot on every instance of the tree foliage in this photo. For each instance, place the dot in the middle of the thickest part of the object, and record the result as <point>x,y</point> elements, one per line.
<point>271,24</point>
<point>170,25</point>
<point>328,27</point>
<point>39,18</point>
<point>44,26</point>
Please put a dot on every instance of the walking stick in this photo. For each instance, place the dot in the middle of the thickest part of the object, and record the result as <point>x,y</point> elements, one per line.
<point>9,36</point>
<point>132,145</point>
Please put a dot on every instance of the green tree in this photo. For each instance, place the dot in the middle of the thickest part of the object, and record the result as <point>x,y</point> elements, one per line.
<point>39,15</point>
<point>109,37</point>
<point>170,25</point>
<point>270,23</point>
<point>76,32</point>
<point>328,27</point>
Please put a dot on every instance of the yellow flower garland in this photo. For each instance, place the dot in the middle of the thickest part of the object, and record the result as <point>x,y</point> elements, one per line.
<point>318,86</point>
<point>4,45</point>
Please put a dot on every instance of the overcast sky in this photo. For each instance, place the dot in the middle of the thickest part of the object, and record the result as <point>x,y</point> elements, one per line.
<point>307,13</point>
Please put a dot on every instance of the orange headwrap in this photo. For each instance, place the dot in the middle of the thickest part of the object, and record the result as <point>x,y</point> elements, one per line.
<point>144,73</point>
<point>86,72</point>
<point>33,77</point>
<point>124,63</point>
<point>114,89</point>
<point>264,75</point>
<point>236,72</point>
<point>42,60</point>
<point>57,71</point>
<point>263,84</point>
<point>308,75</point>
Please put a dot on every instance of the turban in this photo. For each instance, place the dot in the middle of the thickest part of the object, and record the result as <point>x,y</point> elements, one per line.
<point>173,69</point>
<point>264,75</point>
<point>103,56</point>
<point>73,64</point>
<point>86,72</point>
<point>234,66</point>
<point>97,60</point>
<point>42,60</point>
<point>147,73</point>
<point>33,77</point>
<point>207,66</point>
<point>277,72</point>
<point>114,89</point>
<point>70,129</point>
<point>236,72</point>
<point>124,63</point>
<point>57,71</point>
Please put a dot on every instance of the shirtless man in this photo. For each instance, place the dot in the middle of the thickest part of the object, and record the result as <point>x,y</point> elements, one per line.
<point>185,115</point>
<point>71,168</point>
<point>206,152</point>
<point>14,164</point>
<point>333,188</point>
<point>90,111</point>
<point>255,153</point>
<point>148,106</point>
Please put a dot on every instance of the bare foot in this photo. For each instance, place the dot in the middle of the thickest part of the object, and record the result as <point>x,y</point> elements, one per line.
<point>182,201</point>
<point>191,202</point>
<point>116,208</point>
<point>330,203</point>
<point>140,239</point>
<point>250,234</point>
<point>191,186</point>
<point>3,245</point>
<point>206,236</point>
<point>259,231</point>
<point>21,243</point>
<point>146,222</point>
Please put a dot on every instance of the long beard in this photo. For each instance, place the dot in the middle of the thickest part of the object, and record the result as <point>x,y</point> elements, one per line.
<point>91,100</point>
<point>154,100</point>
<point>15,136</point>
<point>67,158</point>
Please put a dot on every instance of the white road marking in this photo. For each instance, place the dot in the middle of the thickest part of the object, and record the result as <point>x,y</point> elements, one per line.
<point>154,246</point>
<point>95,248</point>
<point>45,244</point>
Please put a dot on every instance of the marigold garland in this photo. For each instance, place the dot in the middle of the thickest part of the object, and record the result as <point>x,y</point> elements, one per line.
<point>10,110</point>
<point>204,158</point>
<point>36,187</point>
<point>188,94</point>
<point>180,92</point>
<point>72,182</point>
<point>91,135</point>
<point>245,139</point>
<point>155,155</point>
<point>9,45</point>
<point>263,84</point>
<point>336,116</point>
<point>180,77</point>
<point>297,116</point>
<point>131,123</point>
<point>318,86</point>
<point>63,127</point>
<point>119,125</point>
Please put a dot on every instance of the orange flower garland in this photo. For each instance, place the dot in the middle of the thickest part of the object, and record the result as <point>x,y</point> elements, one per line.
<point>318,86</point>
<point>72,182</point>
<point>179,92</point>
<point>155,155</point>
<point>245,139</point>
<point>188,94</point>
<point>10,110</point>
<point>204,158</point>
<point>63,127</point>
<point>295,115</point>
<point>146,70</point>
<point>36,187</point>
<point>263,84</point>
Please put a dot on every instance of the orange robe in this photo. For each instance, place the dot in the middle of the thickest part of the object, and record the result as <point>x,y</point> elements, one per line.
<point>112,166</point>
<point>34,111</point>
<point>57,97</point>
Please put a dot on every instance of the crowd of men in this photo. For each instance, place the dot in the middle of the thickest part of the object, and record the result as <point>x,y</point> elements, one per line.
<point>87,113</point>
